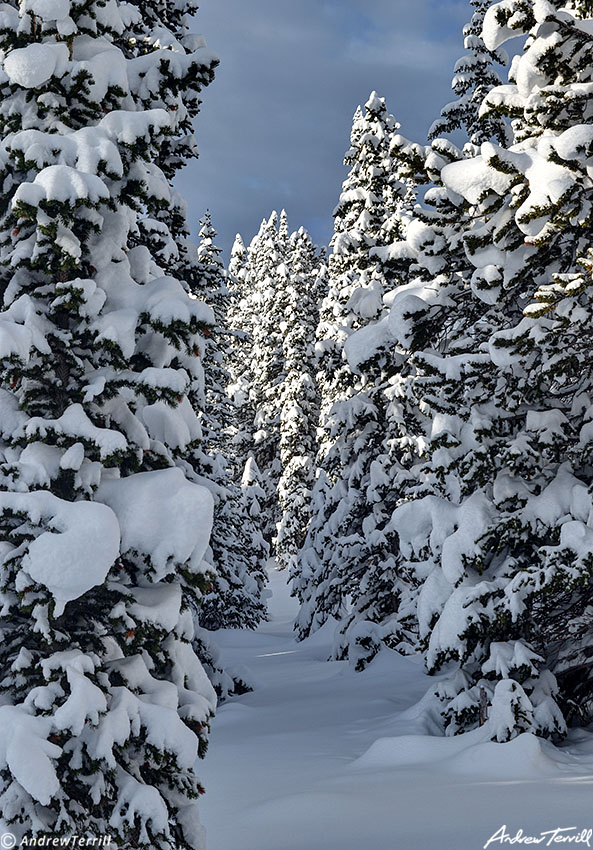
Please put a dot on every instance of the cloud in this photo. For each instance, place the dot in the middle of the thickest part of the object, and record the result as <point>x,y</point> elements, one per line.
<point>276,121</point>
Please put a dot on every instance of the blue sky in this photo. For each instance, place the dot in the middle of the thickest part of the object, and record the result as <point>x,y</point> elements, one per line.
<point>275,122</point>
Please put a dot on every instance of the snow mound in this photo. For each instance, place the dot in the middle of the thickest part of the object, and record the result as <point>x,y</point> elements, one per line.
<point>159,605</point>
<point>524,757</point>
<point>127,127</point>
<point>176,427</point>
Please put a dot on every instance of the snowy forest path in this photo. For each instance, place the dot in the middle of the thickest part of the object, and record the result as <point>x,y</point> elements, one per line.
<point>318,757</point>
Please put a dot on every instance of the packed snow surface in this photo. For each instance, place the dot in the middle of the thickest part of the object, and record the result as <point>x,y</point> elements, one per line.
<point>319,757</point>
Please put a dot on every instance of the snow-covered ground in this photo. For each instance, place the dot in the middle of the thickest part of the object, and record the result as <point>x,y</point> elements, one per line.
<point>319,757</point>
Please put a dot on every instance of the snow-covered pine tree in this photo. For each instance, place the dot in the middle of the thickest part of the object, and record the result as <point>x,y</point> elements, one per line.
<point>234,599</point>
<point>383,585</point>
<point>104,699</point>
<point>237,264</point>
<point>299,397</point>
<point>252,495</point>
<point>474,76</point>
<point>241,316</point>
<point>277,291</point>
<point>368,218</point>
<point>283,247</point>
<point>428,311</point>
<point>211,286</point>
<point>268,276</point>
<point>236,272</point>
<point>507,602</point>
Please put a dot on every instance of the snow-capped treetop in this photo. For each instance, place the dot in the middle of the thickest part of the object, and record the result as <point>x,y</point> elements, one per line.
<point>238,256</point>
<point>474,76</point>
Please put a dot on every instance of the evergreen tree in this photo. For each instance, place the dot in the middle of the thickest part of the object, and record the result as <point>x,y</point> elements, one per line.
<point>234,597</point>
<point>362,267</point>
<point>104,698</point>
<point>429,299</point>
<point>278,286</point>
<point>241,317</point>
<point>211,286</point>
<point>252,495</point>
<point>299,398</point>
<point>283,241</point>
<point>474,76</point>
<point>504,531</point>
<point>270,281</point>
<point>257,369</point>
<point>245,314</point>
<point>429,310</point>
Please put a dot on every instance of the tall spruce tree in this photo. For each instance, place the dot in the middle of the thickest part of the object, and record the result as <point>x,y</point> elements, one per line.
<point>260,302</point>
<point>241,317</point>
<point>234,599</point>
<point>362,268</point>
<point>270,281</point>
<point>427,268</point>
<point>299,397</point>
<point>505,529</point>
<point>105,701</point>
<point>210,284</point>
<point>244,314</point>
